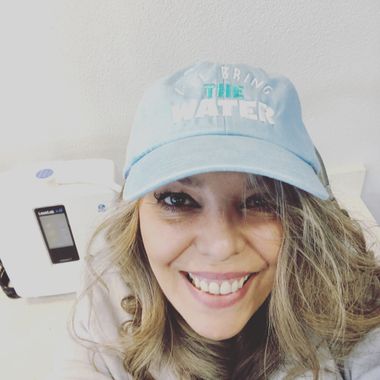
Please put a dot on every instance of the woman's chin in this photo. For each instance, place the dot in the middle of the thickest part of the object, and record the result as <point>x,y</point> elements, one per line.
<point>217,333</point>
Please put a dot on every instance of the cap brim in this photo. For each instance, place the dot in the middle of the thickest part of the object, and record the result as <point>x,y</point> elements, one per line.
<point>209,153</point>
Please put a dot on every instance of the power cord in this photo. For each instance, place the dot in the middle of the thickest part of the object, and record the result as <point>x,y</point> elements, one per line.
<point>4,283</point>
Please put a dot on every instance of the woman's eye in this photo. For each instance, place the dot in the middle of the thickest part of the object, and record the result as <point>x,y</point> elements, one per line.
<point>258,203</point>
<point>181,201</point>
<point>174,201</point>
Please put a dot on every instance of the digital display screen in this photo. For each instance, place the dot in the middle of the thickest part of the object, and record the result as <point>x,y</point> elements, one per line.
<point>56,231</point>
<point>57,234</point>
<point>55,227</point>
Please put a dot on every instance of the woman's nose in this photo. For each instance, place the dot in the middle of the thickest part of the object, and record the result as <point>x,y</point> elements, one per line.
<point>220,236</point>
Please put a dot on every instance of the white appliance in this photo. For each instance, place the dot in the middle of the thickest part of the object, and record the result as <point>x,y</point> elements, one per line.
<point>48,213</point>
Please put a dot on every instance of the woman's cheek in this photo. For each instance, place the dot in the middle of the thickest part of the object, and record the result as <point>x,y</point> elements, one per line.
<point>267,241</point>
<point>163,241</point>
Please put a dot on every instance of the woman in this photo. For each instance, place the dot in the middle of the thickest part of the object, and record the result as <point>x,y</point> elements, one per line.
<point>227,256</point>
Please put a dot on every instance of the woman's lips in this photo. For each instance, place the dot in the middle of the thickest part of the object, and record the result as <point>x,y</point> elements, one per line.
<point>219,300</point>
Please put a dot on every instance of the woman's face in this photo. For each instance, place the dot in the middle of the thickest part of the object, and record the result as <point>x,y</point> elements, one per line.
<point>213,253</point>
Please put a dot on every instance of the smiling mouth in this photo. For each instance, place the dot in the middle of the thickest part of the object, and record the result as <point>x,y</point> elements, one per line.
<point>218,287</point>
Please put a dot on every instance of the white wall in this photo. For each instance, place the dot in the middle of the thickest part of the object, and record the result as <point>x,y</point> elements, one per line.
<point>72,71</point>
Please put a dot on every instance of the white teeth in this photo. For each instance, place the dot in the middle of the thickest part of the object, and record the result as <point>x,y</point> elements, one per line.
<point>213,288</point>
<point>204,286</point>
<point>225,287</point>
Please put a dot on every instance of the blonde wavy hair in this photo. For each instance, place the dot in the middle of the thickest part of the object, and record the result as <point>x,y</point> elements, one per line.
<point>326,289</point>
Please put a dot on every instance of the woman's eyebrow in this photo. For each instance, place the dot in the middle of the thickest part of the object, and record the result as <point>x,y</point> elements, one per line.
<point>198,183</point>
<point>191,182</point>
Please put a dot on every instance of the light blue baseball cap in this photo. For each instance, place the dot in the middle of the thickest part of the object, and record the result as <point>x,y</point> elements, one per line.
<point>220,117</point>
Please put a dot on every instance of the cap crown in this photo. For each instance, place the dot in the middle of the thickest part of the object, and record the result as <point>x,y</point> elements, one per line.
<point>224,99</point>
